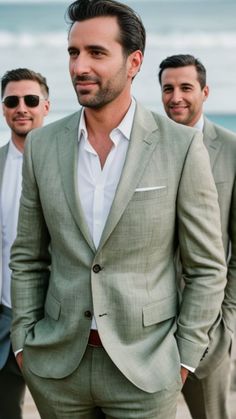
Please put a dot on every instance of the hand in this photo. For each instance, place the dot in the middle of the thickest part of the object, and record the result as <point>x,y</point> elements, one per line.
<point>184,374</point>
<point>19,359</point>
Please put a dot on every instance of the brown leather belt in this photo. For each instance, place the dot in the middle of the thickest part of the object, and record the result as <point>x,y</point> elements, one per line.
<point>94,339</point>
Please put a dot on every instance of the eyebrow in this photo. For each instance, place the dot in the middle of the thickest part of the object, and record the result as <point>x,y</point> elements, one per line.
<point>185,84</point>
<point>89,48</point>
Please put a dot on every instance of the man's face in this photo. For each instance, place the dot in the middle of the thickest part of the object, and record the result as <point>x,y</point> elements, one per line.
<point>99,70</point>
<point>182,95</point>
<point>22,118</point>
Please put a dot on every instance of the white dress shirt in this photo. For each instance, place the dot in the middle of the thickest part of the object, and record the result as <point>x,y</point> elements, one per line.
<point>96,185</point>
<point>200,123</point>
<point>10,200</point>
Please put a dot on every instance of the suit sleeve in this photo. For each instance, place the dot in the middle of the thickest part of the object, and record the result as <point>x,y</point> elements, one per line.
<point>201,252</point>
<point>229,304</point>
<point>30,257</point>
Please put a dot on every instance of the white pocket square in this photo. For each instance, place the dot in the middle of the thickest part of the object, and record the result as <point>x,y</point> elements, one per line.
<point>151,188</point>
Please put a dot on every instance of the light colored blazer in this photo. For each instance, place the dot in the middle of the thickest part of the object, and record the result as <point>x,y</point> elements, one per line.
<point>5,318</point>
<point>166,198</point>
<point>221,146</point>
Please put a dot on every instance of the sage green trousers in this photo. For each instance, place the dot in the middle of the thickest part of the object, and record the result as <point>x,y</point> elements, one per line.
<point>97,389</point>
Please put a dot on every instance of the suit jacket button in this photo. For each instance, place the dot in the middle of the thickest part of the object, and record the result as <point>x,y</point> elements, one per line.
<point>96,269</point>
<point>88,314</point>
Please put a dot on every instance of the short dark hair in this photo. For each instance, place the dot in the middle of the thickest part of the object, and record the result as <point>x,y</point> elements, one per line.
<point>19,74</point>
<point>183,60</point>
<point>133,34</point>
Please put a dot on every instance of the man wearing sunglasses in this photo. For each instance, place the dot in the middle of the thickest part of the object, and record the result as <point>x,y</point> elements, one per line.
<point>25,103</point>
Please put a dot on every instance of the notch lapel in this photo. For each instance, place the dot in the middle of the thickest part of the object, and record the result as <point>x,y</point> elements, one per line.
<point>142,143</point>
<point>211,140</point>
<point>68,162</point>
<point>3,156</point>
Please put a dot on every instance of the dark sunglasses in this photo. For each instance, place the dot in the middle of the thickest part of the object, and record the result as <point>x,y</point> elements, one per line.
<point>30,100</point>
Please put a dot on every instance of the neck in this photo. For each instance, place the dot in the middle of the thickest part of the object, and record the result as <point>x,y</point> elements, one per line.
<point>19,142</point>
<point>105,119</point>
<point>100,123</point>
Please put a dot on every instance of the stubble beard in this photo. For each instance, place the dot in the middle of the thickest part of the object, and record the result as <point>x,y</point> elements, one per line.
<point>98,101</point>
<point>21,132</point>
<point>105,94</point>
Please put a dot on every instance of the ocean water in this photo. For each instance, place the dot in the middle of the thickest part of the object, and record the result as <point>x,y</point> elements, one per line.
<point>34,34</point>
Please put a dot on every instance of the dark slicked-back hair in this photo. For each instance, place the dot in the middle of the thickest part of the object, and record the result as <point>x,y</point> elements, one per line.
<point>19,74</point>
<point>184,60</point>
<point>132,31</point>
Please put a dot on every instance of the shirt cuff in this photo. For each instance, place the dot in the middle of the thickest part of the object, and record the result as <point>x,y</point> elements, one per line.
<point>188,367</point>
<point>18,351</point>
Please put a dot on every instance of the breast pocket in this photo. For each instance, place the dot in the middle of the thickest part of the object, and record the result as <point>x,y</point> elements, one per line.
<point>146,194</point>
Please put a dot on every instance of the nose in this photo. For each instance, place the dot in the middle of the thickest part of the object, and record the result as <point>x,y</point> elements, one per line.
<point>21,107</point>
<point>80,65</point>
<point>176,96</point>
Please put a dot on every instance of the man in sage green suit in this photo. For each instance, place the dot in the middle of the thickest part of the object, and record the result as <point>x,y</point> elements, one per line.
<point>109,193</point>
<point>184,90</point>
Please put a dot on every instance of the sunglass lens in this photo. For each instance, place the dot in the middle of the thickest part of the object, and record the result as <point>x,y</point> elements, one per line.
<point>31,100</point>
<point>11,101</point>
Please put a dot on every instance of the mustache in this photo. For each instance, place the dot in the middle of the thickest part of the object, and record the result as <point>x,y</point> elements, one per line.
<point>82,78</point>
<point>21,115</point>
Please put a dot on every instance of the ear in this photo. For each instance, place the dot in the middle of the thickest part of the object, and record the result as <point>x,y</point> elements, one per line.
<point>205,92</point>
<point>46,107</point>
<point>135,60</point>
<point>3,110</point>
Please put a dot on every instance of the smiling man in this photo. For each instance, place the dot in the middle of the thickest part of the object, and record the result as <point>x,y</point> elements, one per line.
<point>184,90</point>
<point>25,104</point>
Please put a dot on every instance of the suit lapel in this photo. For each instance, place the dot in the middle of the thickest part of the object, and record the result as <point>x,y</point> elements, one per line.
<point>68,161</point>
<point>3,156</point>
<point>211,140</point>
<point>142,143</point>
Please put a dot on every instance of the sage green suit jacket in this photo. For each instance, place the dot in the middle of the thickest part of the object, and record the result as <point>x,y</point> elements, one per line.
<point>166,198</point>
<point>221,146</point>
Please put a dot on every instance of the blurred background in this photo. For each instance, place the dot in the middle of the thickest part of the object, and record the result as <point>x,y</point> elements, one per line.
<point>34,34</point>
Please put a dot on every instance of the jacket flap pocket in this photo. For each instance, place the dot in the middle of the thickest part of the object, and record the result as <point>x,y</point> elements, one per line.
<point>161,310</point>
<point>52,307</point>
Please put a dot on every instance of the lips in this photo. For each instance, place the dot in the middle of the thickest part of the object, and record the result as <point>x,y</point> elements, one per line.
<point>178,109</point>
<point>22,120</point>
<point>84,83</point>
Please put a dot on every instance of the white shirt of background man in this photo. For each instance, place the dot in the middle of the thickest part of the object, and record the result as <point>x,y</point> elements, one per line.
<point>10,201</point>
